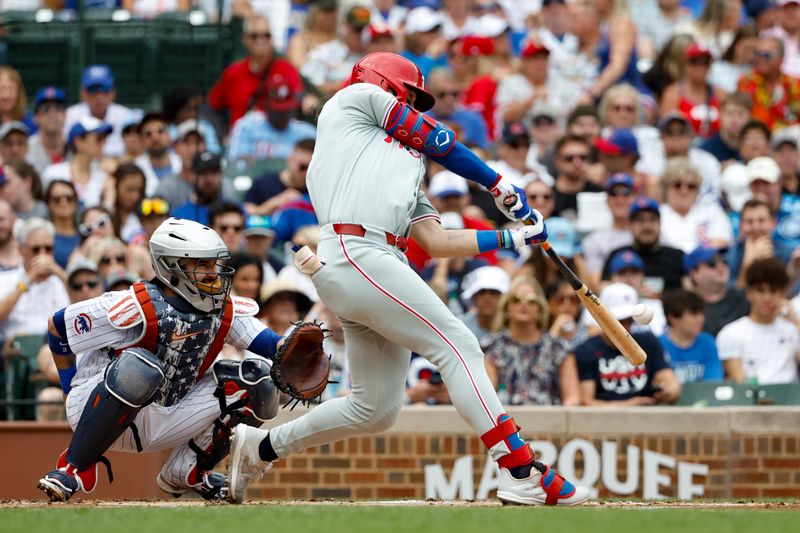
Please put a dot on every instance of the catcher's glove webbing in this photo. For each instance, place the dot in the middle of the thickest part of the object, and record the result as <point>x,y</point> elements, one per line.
<point>300,368</point>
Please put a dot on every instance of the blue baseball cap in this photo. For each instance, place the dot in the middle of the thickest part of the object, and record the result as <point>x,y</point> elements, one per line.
<point>701,254</point>
<point>625,259</point>
<point>259,225</point>
<point>620,142</point>
<point>619,179</point>
<point>49,94</point>
<point>87,125</point>
<point>98,76</point>
<point>562,237</point>
<point>643,203</point>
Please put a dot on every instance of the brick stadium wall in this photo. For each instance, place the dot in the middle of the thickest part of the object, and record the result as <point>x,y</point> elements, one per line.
<point>392,466</point>
<point>750,452</point>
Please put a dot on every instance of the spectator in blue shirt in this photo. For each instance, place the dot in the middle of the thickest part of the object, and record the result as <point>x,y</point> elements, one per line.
<point>445,87</point>
<point>207,189</point>
<point>734,114</point>
<point>273,191</point>
<point>272,133</point>
<point>423,28</point>
<point>692,352</point>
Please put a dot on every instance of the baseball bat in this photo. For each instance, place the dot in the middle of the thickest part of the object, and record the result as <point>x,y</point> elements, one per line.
<point>621,338</point>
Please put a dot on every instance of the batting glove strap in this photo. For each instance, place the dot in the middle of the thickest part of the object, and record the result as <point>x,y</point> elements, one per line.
<point>510,199</point>
<point>522,236</point>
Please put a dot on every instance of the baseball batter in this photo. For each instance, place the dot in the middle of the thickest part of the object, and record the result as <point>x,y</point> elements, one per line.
<point>143,378</point>
<point>364,180</point>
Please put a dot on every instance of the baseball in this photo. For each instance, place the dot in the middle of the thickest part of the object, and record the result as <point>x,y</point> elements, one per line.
<point>642,314</point>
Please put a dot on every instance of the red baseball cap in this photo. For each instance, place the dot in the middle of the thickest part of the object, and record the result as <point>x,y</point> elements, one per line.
<point>474,45</point>
<point>283,87</point>
<point>533,48</point>
<point>697,50</point>
<point>379,30</point>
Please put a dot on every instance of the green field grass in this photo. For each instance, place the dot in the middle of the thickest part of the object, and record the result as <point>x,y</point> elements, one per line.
<point>420,519</point>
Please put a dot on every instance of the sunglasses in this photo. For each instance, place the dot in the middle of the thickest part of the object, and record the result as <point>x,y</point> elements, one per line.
<point>569,158</point>
<point>516,145</point>
<point>445,94</point>
<point>765,54</point>
<point>528,298</point>
<point>715,262</point>
<point>154,131</point>
<point>91,284</point>
<point>620,190</point>
<point>543,122</point>
<point>256,36</point>
<point>704,61</point>
<point>108,259</point>
<point>52,106</point>
<point>234,227</point>
<point>97,89</point>
<point>545,197</point>
<point>676,132</point>
<point>68,198</point>
<point>685,185</point>
<point>154,206</point>
<point>42,248</point>
<point>87,229</point>
<point>625,108</point>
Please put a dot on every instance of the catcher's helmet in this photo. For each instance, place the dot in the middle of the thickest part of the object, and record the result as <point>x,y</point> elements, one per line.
<point>177,240</point>
<point>395,72</point>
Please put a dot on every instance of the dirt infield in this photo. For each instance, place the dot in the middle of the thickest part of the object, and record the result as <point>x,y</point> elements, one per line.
<point>618,504</point>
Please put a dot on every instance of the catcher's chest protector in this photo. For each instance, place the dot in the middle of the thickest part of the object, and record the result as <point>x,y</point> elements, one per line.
<point>187,342</point>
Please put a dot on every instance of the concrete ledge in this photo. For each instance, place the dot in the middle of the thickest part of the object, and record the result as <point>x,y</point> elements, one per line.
<point>445,420</point>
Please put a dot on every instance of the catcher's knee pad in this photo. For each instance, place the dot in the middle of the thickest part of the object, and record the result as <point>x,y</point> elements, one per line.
<point>250,383</point>
<point>130,382</point>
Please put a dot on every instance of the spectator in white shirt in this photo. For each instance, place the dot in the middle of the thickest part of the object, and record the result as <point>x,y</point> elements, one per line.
<point>677,136</point>
<point>97,100</point>
<point>85,144</point>
<point>763,347</point>
<point>686,223</point>
<point>31,294</point>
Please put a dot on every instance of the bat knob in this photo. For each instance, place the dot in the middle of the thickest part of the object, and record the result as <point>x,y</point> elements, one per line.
<point>510,200</point>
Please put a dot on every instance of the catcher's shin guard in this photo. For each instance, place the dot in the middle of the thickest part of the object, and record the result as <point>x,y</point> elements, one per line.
<point>254,401</point>
<point>131,381</point>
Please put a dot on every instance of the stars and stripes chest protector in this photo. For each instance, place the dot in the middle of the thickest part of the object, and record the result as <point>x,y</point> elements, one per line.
<point>187,342</point>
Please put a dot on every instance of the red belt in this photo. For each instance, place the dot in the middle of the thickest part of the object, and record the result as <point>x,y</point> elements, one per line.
<point>358,230</point>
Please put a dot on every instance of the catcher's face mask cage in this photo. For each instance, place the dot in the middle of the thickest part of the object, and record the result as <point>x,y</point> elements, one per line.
<point>203,282</point>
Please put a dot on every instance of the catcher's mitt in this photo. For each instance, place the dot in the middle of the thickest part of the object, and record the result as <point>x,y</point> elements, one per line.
<point>300,368</point>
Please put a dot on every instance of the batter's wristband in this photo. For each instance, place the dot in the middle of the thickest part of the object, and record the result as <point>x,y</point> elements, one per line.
<point>65,375</point>
<point>488,240</point>
<point>494,240</point>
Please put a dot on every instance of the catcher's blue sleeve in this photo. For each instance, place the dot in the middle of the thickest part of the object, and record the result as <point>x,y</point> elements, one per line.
<point>265,344</point>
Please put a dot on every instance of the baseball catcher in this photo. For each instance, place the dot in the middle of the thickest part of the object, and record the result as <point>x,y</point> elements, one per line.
<point>146,375</point>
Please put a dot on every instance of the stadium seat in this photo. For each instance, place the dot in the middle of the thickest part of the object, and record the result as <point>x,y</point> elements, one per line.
<point>716,394</point>
<point>45,54</point>
<point>126,47</point>
<point>782,394</point>
<point>21,373</point>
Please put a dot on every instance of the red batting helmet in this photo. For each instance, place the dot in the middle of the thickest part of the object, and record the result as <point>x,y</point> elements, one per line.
<point>395,72</point>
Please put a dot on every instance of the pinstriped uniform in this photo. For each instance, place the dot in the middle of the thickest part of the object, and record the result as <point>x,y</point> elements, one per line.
<point>93,338</point>
<point>360,175</point>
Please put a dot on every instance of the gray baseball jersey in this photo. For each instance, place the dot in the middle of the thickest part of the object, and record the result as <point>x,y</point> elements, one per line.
<point>360,175</point>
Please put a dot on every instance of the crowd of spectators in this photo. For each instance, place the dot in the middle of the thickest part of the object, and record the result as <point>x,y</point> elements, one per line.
<point>658,137</point>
